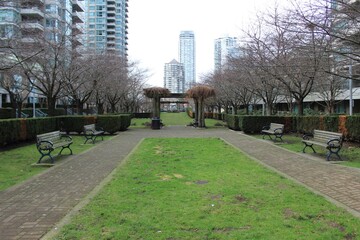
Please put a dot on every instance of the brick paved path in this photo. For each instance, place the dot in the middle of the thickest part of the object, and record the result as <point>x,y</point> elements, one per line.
<point>31,209</point>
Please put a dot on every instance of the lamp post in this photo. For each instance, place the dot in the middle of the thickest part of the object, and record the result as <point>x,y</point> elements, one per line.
<point>351,90</point>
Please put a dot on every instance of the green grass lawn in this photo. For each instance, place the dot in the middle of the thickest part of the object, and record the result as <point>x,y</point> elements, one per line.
<point>16,163</point>
<point>349,152</point>
<point>190,189</point>
<point>174,119</point>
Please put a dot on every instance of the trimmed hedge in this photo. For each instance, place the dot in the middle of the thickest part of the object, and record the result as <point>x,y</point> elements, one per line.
<point>75,123</point>
<point>23,129</point>
<point>141,115</point>
<point>5,113</point>
<point>348,125</point>
<point>352,125</point>
<point>114,123</point>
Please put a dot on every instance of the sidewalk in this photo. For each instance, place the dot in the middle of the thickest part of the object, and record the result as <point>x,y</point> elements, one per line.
<point>33,208</point>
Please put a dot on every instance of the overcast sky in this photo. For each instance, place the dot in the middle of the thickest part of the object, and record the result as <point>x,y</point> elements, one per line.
<point>154,28</point>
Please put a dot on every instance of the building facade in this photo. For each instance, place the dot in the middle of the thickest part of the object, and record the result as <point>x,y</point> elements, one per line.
<point>187,57</point>
<point>106,26</point>
<point>174,78</point>
<point>31,21</point>
<point>224,47</point>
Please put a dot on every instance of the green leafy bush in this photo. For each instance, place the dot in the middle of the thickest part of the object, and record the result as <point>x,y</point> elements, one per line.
<point>5,113</point>
<point>114,123</point>
<point>233,122</point>
<point>353,128</point>
<point>9,131</point>
<point>75,123</point>
<point>307,124</point>
<point>331,123</point>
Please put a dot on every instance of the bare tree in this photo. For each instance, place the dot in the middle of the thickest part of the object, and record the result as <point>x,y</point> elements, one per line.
<point>17,88</point>
<point>290,53</point>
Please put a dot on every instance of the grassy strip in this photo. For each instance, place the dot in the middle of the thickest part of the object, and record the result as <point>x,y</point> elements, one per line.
<point>348,152</point>
<point>15,164</point>
<point>190,189</point>
<point>174,119</point>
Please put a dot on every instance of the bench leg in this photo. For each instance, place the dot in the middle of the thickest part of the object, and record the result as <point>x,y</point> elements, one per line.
<point>265,134</point>
<point>87,138</point>
<point>307,145</point>
<point>278,136</point>
<point>68,147</point>
<point>45,154</point>
<point>333,152</point>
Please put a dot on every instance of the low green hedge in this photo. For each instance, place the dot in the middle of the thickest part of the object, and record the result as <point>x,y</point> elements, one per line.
<point>17,130</point>
<point>114,123</point>
<point>76,124</point>
<point>348,125</point>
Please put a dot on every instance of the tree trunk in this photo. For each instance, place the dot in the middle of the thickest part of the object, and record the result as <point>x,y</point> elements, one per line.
<point>51,105</point>
<point>268,109</point>
<point>196,112</point>
<point>156,107</point>
<point>100,108</point>
<point>300,104</point>
<point>201,118</point>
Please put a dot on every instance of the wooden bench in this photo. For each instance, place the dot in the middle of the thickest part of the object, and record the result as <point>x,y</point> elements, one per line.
<point>48,142</point>
<point>332,141</point>
<point>91,133</point>
<point>274,129</point>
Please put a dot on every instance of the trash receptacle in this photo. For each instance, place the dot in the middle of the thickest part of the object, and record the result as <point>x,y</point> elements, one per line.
<point>155,123</point>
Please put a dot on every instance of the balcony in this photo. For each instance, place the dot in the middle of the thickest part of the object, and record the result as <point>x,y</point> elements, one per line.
<point>32,25</point>
<point>78,6</point>
<point>111,25</point>
<point>76,18</point>
<point>110,41</point>
<point>111,11</point>
<point>33,12</point>
<point>111,19</point>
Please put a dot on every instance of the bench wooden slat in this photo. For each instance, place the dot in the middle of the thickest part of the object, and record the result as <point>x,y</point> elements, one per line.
<point>91,133</point>
<point>48,142</point>
<point>275,129</point>
<point>332,141</point>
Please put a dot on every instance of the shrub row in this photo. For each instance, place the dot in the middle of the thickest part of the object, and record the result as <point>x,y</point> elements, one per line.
<point>142,115</point>
<point>17,130</point>
<point>348,125</point>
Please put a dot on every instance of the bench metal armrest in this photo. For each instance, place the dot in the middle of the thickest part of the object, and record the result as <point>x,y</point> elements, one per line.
<point>99,129</point>
<point>278,130</point>
<point>266,128</point>
<point>89,132</point>
<point>307,136</point>
<point>44,145</point>
<point>334,143</point>
<point>68,138</point>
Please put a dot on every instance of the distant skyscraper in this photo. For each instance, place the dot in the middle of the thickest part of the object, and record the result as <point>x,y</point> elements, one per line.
<point>187,57</point>
<point>174,76</point>
<point>106,26</point>
<point>224,47</point>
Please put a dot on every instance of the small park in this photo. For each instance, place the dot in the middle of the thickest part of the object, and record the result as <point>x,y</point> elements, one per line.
<point>182,181</point>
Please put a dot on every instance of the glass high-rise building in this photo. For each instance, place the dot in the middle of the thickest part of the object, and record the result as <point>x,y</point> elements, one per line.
<point>174,76</point>
<point>187,57</point>
<point>106,26</point>
<point>224,47</point>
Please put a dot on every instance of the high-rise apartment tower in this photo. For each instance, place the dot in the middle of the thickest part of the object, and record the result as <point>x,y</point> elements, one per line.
<point>174,76</point>
<point>106,26</point>
<point>187,57</point>
<point>224,47</point>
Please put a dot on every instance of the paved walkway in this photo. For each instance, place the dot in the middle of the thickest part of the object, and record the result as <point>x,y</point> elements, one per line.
<point>33,208</point>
